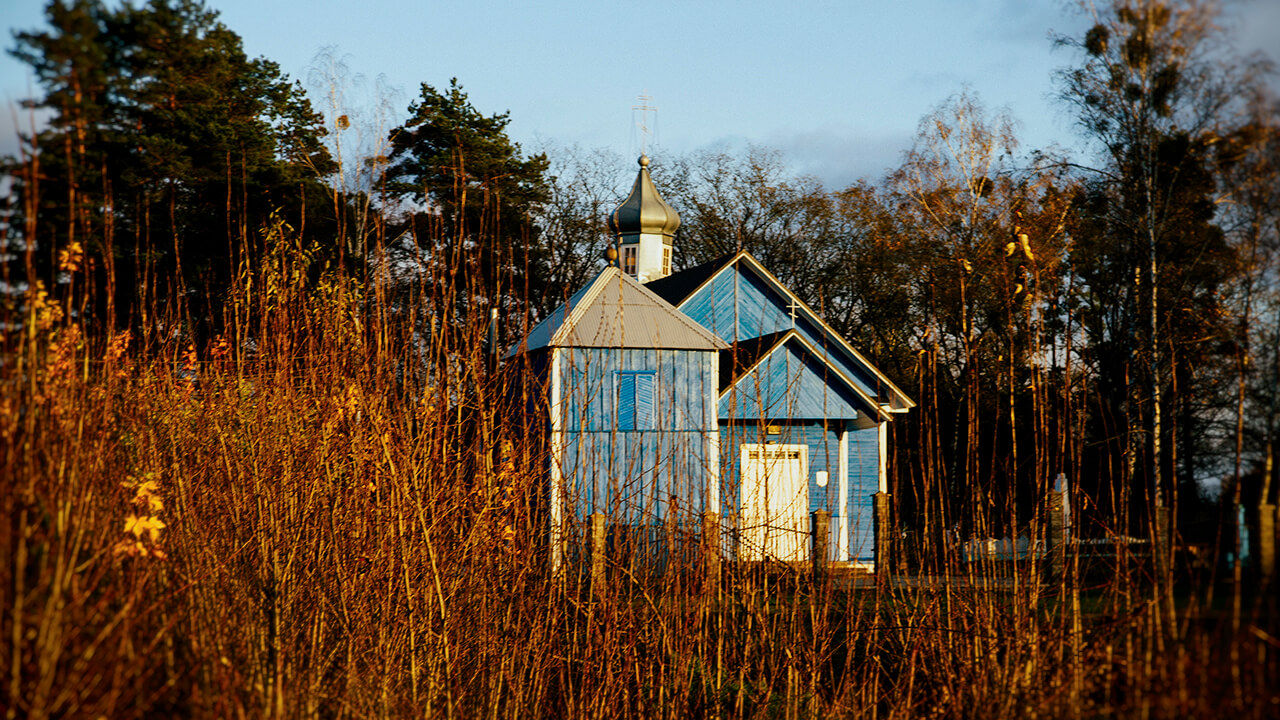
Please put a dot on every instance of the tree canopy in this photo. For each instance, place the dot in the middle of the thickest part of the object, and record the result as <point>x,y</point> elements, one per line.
<point>166,149</point>
<point>1156,93</point>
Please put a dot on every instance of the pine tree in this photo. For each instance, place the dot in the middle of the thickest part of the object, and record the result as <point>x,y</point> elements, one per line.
<point>474,196</point>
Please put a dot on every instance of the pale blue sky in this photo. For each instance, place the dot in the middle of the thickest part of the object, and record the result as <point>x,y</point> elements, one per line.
<point>839,87</point>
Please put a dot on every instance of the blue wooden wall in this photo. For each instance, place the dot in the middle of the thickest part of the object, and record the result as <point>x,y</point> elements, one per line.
<point>864,481</point>
<point>643,476</point>
<point>686,391</point>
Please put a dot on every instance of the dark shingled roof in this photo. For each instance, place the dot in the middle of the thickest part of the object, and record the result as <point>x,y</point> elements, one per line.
<point>675,288</point>
<point>744,354</point>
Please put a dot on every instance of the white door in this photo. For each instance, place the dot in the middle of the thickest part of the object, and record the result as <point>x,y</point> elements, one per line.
<point>774,518</point>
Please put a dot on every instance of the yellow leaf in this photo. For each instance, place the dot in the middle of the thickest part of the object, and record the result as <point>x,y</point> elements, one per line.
<point>151,525</point>
<point>1026,246</point>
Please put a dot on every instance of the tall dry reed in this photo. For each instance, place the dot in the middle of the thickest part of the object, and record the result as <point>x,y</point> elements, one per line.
<point>328,512</point>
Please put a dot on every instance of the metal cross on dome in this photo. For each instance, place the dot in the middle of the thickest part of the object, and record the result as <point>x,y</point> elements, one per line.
<point>644,107</point>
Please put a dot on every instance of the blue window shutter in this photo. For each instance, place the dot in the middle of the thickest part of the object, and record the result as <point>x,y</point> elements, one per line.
<point>636,400</point>
<point>644,401</point>
<point>626,401</point>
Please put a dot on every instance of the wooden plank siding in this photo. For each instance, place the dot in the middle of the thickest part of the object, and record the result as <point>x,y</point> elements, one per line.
<point>864,481</point>
<point>790,383</point>
<point>687,384</point>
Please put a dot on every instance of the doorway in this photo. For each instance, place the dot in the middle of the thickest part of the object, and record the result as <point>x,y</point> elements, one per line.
<point>774,503</point>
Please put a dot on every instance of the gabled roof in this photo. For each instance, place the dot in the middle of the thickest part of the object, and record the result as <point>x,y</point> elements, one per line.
<point>741,361</point>
<point>615,311</point>
<point>680,287</point>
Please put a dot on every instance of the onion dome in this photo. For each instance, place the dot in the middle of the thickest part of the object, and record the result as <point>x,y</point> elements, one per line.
<point>644,211</point>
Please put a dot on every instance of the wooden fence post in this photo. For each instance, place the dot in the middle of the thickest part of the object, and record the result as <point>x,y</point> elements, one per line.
<point>821,543</point>
<point>711,548</point>
<point>597,532</point>
<point>883,532</point>
<point>1057,539</point>
<point>1163,542</point>
<point>1267,517</point>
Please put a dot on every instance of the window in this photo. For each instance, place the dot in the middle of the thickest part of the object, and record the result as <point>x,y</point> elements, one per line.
<point>629,259</point>
<point>635,400</point>
<point>666,260</point>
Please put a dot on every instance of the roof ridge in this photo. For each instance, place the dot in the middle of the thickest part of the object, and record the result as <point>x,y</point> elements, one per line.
<point>591,319</point>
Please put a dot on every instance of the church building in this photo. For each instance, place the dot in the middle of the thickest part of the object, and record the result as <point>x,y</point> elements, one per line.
<point>710,392</point>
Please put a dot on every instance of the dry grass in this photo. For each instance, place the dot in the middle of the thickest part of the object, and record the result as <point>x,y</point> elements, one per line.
<point>314,529</point>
